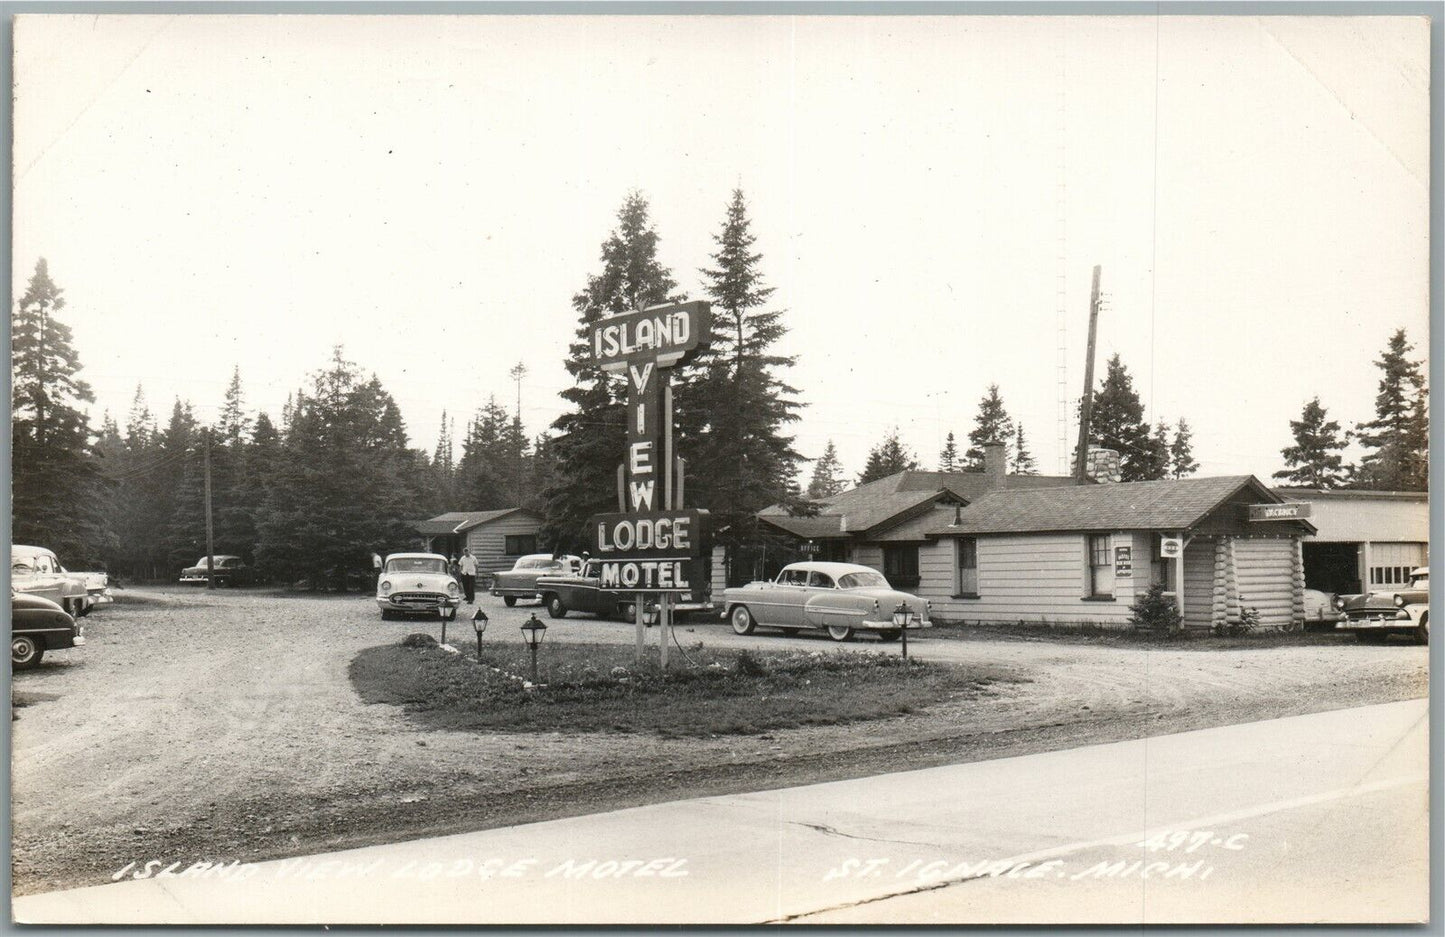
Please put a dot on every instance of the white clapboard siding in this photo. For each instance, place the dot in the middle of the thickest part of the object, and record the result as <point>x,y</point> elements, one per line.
<point>1263,571</point>
<point>488,541</point>
<point>1198,582</point>
<point>1024,577</point>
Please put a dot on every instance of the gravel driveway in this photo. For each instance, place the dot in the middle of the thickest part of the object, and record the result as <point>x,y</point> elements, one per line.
<point>222,726</point>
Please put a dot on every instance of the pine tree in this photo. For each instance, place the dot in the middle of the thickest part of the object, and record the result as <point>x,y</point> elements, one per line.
<point>1398,439</point>
<point>589,439</point>
<point>1181,451</point>
<point>234,423</point>
<point>731,421</point>
<point>1316,460</point>
<point>344,484</point>
<point>827,478</point>
<point>887,458</point>
<point>1024,463</point>
<point>1117,422</point>
<point>991,425</point>
<point>1154,460</point>
<point>57,488</point>
<point>948,457</point>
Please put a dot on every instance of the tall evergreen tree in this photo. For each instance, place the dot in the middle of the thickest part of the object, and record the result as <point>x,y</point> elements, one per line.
<point>1316,460</point>
<point>1397,440</point>
<point>1024,463</point>
<point>827,478</point>
<point>948,458</point>
<point>589,439</point>
<point>57,488</point>
<point>887,458</point>
<point>991,425</point>
<point>1181,451</point>
<point>344,483</point>
<point>734,438</point>
<point>1117,422</point>
<point>233,424</point>
<point>1154,461</point>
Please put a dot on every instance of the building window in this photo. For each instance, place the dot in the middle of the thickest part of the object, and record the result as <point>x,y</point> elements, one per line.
<point>1101,566</point>
<point>967,584</point>
<point>900,565</point>
<point>1389,575</point>
<point>519,544</point>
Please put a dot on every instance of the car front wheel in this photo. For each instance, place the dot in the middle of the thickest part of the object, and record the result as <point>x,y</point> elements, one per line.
<point>25,652</point>
<point>742,620</point>
<point>510,600</point>
<point>556,608</point>
<point>840,632</point>
<point>891,635</point>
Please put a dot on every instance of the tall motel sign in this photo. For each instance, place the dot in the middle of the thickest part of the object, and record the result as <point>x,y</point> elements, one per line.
<point>654,546</point>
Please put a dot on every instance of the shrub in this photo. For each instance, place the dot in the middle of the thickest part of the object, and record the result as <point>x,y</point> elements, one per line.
<point>1155,612</point>
<point>748,664</point>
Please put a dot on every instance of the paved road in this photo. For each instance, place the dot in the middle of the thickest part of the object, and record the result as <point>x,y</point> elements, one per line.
<point>1310,818</point>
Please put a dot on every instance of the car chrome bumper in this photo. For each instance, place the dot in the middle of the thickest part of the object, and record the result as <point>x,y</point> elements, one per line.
<point>913,625</point>
<point>442,603</point>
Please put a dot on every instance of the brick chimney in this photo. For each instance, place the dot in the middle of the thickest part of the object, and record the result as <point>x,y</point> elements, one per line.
<point>995,463</point>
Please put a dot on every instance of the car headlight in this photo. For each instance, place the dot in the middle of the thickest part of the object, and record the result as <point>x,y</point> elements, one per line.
<point>1340,603</point>
<point>451,588</point>
<point>385,586</point>
<point>1399,601</point>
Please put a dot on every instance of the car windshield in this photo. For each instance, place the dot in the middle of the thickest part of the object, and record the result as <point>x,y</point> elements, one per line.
<point>417,564</point>
<point>863,580</point>
<point>1420,582</point>
<point>537,562</point>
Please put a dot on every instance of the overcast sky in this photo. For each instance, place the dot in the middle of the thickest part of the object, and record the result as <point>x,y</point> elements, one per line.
<point>429,192</point>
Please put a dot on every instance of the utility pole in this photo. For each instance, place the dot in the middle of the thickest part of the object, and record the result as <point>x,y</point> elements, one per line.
<point>1086,410</point>
<point>210,540</point>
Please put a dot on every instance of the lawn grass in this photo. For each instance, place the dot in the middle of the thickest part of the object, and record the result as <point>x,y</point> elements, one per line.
<point>600,688</point>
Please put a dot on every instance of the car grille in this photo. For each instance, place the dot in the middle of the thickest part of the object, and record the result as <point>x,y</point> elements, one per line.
<point>417,599</point>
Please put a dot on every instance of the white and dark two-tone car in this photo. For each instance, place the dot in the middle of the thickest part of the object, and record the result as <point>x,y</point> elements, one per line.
<point>417,584</point>
<point>1375,616</point>
<point>840,598</point>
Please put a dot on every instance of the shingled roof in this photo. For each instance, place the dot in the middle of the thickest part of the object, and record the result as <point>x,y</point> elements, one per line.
<point>896,496</point>
<point>454,522</point>
<point>1175,504</point>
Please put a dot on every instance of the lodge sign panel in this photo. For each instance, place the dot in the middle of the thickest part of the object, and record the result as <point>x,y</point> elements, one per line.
<point>1293,510</point>
<point>653,551</point>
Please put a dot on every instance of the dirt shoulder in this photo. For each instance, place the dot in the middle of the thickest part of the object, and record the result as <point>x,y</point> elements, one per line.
<point>223,726</point>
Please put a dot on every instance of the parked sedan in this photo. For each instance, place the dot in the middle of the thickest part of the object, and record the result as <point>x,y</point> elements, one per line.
<point>841,598</point>
<point>582,592</point>
<point>38,625</point>
<point>37,571</point>
<point>417,584</point>
<point>229,571</point>
<point>520,582</point>
<point>1321,612</point>
<point>1377,615</point>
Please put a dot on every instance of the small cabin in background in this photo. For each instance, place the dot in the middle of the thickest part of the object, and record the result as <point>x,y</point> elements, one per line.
<point>496,538</point>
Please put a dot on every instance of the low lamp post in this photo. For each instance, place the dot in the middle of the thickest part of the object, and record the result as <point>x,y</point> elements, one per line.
<point>901,617</point>
<point>479,625</point>
<point>650,614</point>
<point>532,631</point>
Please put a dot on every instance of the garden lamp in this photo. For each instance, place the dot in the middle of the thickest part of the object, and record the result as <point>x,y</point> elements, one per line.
<point>479,625</point>
<point>650,614</point>
<point>532,631</point>
<point>901,616</point>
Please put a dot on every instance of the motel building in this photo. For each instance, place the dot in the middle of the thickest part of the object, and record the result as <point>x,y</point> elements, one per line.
<point>996,548</point>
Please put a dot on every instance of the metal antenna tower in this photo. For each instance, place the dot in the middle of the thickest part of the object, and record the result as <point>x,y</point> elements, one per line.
<point>1061,318</point>
<point>519,372</point>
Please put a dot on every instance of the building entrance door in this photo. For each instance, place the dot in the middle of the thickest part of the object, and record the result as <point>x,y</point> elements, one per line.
<point>1333,567</point>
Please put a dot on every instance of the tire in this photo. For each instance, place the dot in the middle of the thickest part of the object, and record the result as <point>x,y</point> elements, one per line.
<point>556,608</point>
<point>25,651</point>
<point>1422,630</point>
<point>628,611</point>
<point>742,620</point>
<point>840,632</point>
<point>510,600</point>
<point>891,635</point>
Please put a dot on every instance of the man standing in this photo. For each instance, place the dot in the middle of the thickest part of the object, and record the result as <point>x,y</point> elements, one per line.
<point>469,576</point>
